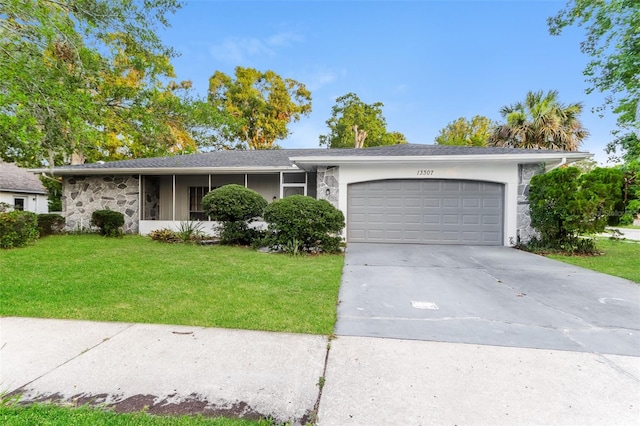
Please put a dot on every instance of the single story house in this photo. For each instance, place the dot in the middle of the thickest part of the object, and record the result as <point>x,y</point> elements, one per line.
<point>425,194</point>
<point>22,190</point>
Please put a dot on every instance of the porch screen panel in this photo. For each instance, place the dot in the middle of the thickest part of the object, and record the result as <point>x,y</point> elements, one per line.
<point>165,203</point>
<point>267,184</point>
<point>183,185</point>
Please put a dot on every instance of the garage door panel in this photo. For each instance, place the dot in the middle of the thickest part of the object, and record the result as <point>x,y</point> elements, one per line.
<point>468,219</point>
<point>450,185</point>
<point>431,202</point>
<point>451,202</point>
<point>426,211</point>
<point>470,203</point>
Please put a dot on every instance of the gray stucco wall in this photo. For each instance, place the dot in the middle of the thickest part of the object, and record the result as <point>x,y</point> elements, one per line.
<point>525,173</point>
<point>328,178</point>
<point>82,195</point>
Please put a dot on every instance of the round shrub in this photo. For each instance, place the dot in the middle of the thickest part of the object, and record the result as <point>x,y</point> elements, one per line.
<point>233,203</point>
<point>303,223</point>
<point>18,228</point>
<point>108,222</point>
<point>235,206</point>
<point>50,223</point>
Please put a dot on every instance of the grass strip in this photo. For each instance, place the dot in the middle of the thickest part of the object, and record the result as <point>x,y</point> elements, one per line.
<point>52,415</point>
<point>619,258</point>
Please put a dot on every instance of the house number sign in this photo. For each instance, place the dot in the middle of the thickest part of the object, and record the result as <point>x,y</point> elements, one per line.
<point>425,172</point>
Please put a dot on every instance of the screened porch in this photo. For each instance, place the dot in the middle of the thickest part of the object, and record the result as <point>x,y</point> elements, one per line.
<point>167,200</point>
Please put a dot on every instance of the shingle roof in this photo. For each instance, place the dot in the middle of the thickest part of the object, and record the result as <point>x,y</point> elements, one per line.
<point>15,179</point>
<point>280,158</point>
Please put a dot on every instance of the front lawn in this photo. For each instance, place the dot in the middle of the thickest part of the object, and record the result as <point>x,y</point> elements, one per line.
<point>619,258</point>
<point>135,279</point>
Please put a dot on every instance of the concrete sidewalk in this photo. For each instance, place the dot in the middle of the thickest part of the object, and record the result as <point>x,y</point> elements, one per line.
<point>164,369</point>
<point>368,381</point>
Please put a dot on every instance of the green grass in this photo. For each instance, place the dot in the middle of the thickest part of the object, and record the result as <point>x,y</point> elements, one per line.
<point>619,258</point>
<point>52,415</point>
<point>135,279</point>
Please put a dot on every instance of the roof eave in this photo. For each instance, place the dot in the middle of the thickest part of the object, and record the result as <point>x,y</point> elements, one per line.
<point>163,170</point>
<point>24,191</point>
<point>514,158</point>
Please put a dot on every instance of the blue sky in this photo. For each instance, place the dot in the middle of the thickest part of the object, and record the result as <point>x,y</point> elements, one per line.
<point>428,62</point>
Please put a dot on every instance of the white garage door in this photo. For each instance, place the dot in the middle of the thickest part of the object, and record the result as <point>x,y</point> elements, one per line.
<point>426,212</point>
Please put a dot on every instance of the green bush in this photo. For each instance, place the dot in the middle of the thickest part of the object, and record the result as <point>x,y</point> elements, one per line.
<point>191,231</point>
<point>18,228</point>
<point>566,205</point>
<point>233,203</point>
<point>235,206</point>
<point>300,223</point>
<point>239,233</point>
<point>50,223</point>
<point>108,222</point>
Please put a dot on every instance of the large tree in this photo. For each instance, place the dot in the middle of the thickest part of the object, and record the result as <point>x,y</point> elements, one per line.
<point>540,122</point>
<point>613,43</point>
<point>264,103</point>
<point>474,132</point>
<point>90,79</point>
<point>356,124</point>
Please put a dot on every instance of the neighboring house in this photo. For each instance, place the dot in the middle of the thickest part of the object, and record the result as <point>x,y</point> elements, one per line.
<point>22,190</point>
<point>402,194</point>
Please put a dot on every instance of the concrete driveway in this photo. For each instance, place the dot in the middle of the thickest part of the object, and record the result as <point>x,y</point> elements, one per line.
<point>485,295</point>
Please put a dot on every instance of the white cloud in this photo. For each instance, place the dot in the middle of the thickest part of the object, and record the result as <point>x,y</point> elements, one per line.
<point>284,39</point>
<point>321,78</point>
<point>237,50</point>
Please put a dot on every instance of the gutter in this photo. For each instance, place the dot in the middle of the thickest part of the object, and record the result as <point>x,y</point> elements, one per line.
<point>519,158</point>
<point>86,171</point>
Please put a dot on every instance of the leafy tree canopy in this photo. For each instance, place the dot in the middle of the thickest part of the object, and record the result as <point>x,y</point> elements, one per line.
<point>540,122</point>
<point>350,111</point>
<point>613,43</point>
<point>264,103</point>
<point>474,132</point>
<point>91,79</point>
<point>625,148</point>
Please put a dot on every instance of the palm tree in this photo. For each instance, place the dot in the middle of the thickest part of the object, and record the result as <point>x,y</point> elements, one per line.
<point>541,122</point>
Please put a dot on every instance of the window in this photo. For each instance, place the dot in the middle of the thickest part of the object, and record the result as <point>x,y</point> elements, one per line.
<point>294,184</point>
<point>196,211</point>
<point>18,203</point>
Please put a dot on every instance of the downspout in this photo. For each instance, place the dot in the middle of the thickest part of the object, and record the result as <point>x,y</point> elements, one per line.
<point>173,212</point>
<point>141,201</point>
<point>560,164</point>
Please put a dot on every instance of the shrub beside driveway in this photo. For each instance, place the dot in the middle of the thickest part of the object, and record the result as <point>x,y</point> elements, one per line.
<point>134,279</point>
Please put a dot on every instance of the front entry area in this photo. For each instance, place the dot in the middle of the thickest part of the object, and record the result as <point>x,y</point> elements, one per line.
<point>427,211</point>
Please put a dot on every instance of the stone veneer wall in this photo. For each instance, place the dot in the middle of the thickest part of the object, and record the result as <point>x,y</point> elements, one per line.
<point>328,178</point>
<point>82,195</point>
<point>151,192</point>
<point>525,173</point>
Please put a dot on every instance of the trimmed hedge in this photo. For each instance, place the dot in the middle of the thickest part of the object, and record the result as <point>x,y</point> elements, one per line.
<point>235,206</point>
<point>302,223</point>
<point>233,203</point>
<point>18,228</point>
<point>50,223</point>
<point>108,222</point>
